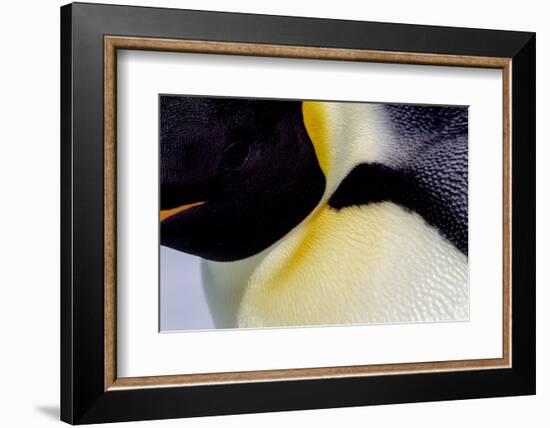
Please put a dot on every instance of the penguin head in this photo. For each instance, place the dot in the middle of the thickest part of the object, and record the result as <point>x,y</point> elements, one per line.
<point>236,174</point>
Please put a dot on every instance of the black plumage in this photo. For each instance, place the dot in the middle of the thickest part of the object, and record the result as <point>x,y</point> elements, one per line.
<point>251,161</point>
<point>428,174</point>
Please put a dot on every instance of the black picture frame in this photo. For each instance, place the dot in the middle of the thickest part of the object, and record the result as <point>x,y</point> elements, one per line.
<point>83,396</point>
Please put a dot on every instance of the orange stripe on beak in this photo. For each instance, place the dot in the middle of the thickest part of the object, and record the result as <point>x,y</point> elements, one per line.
<point>164,214</point>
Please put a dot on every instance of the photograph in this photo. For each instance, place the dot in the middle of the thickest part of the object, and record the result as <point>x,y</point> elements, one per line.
<point>288,213</point>
<point>264,211</point>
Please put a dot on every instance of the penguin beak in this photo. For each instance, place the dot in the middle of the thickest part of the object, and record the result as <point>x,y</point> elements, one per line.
<point>164,214</point>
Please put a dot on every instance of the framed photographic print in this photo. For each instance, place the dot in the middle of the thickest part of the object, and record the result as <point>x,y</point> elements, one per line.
<point>265,213</point>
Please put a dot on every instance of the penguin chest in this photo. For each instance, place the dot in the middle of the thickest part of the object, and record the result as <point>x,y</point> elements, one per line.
<point>377,263</point>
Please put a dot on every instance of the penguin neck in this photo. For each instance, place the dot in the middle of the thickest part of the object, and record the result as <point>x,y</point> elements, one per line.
<point>345,135</point>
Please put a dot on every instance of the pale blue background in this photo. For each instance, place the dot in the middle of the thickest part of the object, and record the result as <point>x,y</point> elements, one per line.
<point>182,300</point>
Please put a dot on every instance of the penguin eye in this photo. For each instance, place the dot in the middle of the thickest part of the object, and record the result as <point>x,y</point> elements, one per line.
<point>235,156</point>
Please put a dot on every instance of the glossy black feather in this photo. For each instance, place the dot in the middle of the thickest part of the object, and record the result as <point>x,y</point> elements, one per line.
<point>251,161</point>
<point>429,175</point>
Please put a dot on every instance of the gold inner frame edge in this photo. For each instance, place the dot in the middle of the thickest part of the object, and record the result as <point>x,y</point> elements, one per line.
<point>113,43</point>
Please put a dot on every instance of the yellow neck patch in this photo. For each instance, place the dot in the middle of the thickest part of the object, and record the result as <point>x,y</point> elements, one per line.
<point>316,123</point>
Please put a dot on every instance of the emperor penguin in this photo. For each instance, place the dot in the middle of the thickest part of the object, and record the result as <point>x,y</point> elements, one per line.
<point>318,213</point>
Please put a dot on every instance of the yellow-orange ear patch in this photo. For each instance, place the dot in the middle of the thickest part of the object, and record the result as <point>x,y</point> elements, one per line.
<point>315,121</point>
